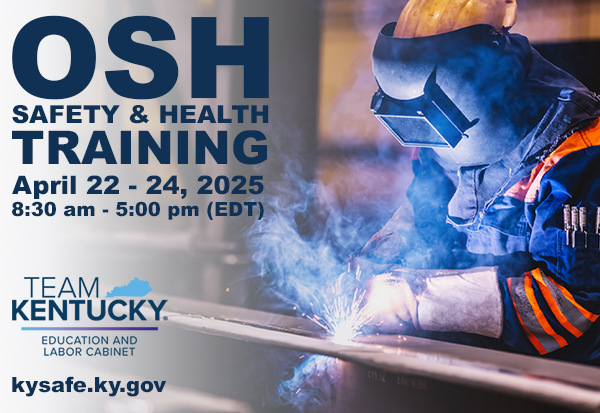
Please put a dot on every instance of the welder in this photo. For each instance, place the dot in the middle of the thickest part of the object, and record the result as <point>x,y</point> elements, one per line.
<point>504,250</point>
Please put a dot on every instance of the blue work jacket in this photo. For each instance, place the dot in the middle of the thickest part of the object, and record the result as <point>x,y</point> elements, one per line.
<point>510,215</point>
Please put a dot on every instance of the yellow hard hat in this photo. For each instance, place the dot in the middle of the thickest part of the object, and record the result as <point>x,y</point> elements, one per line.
<point>422,18</point>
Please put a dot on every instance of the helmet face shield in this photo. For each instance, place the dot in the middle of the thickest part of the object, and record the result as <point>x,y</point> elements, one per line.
<point>431,120</point>
<point>432,90</point>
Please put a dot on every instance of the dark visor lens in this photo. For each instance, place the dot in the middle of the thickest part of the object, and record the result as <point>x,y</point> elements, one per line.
<point>415,131</point>
<point>431,120</point>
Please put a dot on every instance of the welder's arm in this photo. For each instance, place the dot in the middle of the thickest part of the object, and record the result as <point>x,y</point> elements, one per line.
<point>439,300</point>
<point>543,314</point>
<point>466,301</point>
<point>554,304</point>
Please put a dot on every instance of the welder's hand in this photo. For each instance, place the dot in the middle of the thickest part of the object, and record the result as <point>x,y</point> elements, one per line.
<point>390,302</point>
<point>385,247</point>
<point>365,269</point>
<point>390,244</point>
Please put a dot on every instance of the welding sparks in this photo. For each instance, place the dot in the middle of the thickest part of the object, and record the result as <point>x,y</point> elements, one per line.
<point>344,318</point>
<point>346,315</point>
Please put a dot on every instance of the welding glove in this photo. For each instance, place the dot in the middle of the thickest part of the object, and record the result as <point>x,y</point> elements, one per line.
<point>440,300</point>
<point>390,302</point>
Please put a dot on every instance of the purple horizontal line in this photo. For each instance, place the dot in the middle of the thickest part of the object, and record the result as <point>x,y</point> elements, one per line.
<point>90,328</point>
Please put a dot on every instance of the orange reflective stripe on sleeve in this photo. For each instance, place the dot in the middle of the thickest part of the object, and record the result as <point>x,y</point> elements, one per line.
<point>570,314</point>
<point>535,323</point>
<point>552,303</point>
<point>539,314</point>
<point>530,336</point>
<point>532,320</point>
<point>590,316</point>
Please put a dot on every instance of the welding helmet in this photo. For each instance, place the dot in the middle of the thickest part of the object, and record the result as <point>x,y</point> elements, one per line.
<point>434,89</point>
<point>438,90</point>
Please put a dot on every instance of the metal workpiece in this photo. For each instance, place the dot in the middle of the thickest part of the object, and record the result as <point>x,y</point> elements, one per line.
<point>443,368</point>
<point>567,222</point>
